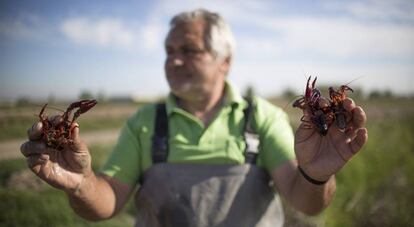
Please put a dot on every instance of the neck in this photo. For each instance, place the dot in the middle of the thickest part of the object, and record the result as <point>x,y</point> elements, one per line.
<point>206,107</point>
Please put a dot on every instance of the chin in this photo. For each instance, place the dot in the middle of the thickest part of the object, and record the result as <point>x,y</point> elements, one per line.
<point>181,88</point>
<point>186,94</point>
<point>182,94</point>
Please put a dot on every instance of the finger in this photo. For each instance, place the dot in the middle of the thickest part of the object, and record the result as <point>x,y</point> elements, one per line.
<point>35,132</point>
<point>359,117</point>
<point>36,160</point>
<point>78,144</point>
<point>348,104</point>
<point>359,141</point>
<point>350,132</point>
<point>33,148</point>
<point>307,113</point>
<point>75,131</point>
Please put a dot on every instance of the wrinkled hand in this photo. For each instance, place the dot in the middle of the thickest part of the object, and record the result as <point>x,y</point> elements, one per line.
<point>322,156</point>
<point>64,169</point>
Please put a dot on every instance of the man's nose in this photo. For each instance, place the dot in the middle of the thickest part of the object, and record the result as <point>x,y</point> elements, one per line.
<point>175,60</point>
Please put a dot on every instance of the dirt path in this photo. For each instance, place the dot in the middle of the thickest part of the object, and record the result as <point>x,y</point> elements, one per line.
<point>11,149</point>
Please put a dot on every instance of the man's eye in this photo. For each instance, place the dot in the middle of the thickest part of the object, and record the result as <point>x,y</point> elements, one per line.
<point>190,51</point>
<point>168,51</point>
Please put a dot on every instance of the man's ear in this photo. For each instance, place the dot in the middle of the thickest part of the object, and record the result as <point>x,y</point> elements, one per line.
<point>225,66</point>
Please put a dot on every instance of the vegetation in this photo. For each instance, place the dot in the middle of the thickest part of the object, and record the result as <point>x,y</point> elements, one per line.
<point>26,201</point>
<point>14,121</point>
<point>375,189</point>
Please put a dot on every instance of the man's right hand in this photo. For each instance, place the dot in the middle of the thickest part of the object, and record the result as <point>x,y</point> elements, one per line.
<point>64,169</point>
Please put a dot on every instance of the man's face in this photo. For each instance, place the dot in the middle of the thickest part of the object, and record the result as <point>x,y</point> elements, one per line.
<point>192,72</point>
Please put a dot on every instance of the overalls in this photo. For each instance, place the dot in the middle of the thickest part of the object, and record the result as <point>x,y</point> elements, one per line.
<point>204,195</point>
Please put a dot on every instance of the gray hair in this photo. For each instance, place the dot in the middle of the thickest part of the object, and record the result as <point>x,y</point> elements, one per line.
<point>219,39</point>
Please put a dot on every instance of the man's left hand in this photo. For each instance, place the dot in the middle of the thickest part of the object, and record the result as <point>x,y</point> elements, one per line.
<point>319,156</point>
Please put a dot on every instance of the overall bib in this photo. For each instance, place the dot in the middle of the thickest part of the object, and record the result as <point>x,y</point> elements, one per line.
<point>204,195</point>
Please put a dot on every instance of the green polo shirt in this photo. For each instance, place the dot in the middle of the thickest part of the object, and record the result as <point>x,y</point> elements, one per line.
<point>190,141</point>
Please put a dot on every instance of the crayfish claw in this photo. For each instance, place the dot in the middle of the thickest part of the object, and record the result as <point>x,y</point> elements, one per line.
<point>57,130</point>
<point>86,105</point>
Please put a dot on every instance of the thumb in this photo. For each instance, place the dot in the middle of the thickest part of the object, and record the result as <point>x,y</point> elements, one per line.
<point>307,113</point>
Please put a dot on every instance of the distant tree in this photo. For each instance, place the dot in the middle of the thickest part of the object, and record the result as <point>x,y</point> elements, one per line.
<point>51,98</point>
<point>102,97</point>
<point>388,94</point>
<point>375,94</point>
<point>357,94</point>
<point>289,93</point>
<point>85,95</point>
<point>22,101</point>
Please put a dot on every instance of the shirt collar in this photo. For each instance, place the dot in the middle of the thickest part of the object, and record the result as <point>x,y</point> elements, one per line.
<point>233,97</point>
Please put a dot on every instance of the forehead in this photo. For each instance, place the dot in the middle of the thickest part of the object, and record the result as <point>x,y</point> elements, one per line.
<point>187,32</point>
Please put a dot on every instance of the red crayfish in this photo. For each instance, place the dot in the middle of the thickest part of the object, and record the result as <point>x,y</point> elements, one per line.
<point>56,133</point>
<point>323,112</point>
<point>337,97</point>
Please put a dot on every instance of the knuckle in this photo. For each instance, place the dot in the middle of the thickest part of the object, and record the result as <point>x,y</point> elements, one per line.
<point>35,132</point>
<point>38,126</point>
<point>23,148</point>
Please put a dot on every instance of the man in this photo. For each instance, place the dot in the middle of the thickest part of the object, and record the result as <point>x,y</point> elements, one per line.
<point>208,173</point>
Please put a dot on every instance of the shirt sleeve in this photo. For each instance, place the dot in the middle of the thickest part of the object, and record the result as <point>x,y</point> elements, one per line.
<point>276,136</point>
<point>123,162</point>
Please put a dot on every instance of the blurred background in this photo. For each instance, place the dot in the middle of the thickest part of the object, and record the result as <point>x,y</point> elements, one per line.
<point>57,52</point>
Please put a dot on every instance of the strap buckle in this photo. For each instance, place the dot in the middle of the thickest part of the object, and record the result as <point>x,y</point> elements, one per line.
<point>252,147</point>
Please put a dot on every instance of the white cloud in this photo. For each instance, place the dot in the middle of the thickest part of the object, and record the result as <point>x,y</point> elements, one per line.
<point>344,34</point>
<point>152,35</point>
<point>344,37</point>
<point>102,32</point>
<point>394,10</point>
<point>139,36</point>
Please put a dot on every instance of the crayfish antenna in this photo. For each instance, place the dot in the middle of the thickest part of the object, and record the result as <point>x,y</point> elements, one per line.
<point>43,109</point>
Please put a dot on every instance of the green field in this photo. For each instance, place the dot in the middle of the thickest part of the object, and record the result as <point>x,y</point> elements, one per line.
<point>374,189</point>
<point>14,121</point>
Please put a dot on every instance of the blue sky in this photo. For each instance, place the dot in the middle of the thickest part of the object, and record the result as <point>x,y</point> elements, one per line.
<point>60,48</point>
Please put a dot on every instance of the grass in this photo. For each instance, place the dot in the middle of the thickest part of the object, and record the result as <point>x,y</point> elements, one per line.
<point>7,168</point>
<point>375,189</point>
<point>14,122</point>
<point>16,127</point>
<point>47,206</point>
<point>12,127</point>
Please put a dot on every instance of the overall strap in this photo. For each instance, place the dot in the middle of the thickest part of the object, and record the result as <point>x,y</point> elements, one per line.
<point>160,146</point>
<point>251,137</point>
<point>160,138</point>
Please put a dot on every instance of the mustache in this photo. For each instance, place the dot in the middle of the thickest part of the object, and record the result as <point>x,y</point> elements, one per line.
<point>178,73</point>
